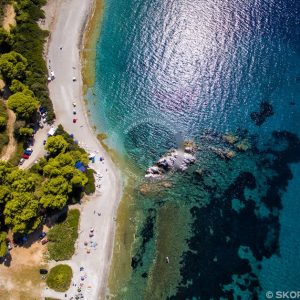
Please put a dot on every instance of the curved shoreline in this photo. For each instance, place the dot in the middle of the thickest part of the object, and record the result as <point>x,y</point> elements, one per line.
<point>63,57</point>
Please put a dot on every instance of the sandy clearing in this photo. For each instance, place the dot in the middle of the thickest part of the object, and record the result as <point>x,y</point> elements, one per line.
<point>9,19</point>
<point>21,280</point>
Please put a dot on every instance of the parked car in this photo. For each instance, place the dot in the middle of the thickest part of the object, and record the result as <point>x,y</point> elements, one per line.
<point>29,149</point>
<point>27,152</point>
<point>42,235</point>
<point>21,162</point>
<point>74,120</point>
<point>44,220</point>
<point>41,124</point>
<point>25,156</point>
<point>45,241</point>
<point>42,109</point>
<point>9,246</point>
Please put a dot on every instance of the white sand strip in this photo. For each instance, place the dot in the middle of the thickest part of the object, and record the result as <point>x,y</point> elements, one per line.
<point>65,19</point>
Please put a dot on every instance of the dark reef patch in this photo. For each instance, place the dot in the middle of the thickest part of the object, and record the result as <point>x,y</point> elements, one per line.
<point>147,234</point>
<point>220,232</point>
<point>266,110</point>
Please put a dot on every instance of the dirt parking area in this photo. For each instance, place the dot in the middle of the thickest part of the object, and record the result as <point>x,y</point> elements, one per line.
<point>20,278</point>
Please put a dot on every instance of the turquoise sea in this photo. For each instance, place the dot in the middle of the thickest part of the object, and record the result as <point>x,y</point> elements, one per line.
<point>224,75</point>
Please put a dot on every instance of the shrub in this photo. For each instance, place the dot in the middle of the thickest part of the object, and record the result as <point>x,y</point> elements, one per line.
<point>3,116</point>
<point>62,237</point>
<point>90,186</point>
<point>59,278</point>
<point>3,140</point>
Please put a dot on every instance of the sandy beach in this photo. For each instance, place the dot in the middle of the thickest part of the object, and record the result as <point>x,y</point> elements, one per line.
<point>66,21</point>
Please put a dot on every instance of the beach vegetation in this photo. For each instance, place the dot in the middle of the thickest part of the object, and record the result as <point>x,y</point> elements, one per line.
<point>25,132</point>
<point>59,278</point>
<point>3,116</point>
<point>3,245</point>
<point>62,237</point>
<point>6,41</point>
<point>89,188</point>
<point>21,212</point>
<point>4,139</point>
<point>15,157</point>
<point>5,194</point>
<point>13,65</point>
<point>17,86</point>
<point>22,50</point>
<point>49,186</point>
<point>23,104</point>
<point>56,144</point>
<point>3,122</point>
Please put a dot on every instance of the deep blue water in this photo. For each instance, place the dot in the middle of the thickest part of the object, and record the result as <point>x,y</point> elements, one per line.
<point>190,69</point>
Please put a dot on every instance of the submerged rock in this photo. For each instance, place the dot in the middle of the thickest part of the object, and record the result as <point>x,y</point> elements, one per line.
<point>230,138</point>
<point>223,153</point>
<point>243,145</point>
<point>154,187</point>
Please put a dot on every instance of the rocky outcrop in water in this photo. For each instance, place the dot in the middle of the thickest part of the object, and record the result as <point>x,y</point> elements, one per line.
<point>175,160</point>
<point>223,153</point>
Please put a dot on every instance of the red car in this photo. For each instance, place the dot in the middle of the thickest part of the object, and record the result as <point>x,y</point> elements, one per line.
<point>25,156</point>
<point>45,241</point>
<point>74,120</point>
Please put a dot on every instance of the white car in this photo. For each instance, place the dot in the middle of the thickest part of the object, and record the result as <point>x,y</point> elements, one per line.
<point>21,162</point>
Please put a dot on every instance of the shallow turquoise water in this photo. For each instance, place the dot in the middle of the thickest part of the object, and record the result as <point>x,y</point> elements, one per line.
<point>169,71</point>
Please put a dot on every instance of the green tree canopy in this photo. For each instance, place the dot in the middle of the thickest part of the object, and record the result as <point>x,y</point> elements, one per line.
<point>17,86</point>
<point>54,201</point>
<point>3,245</point>
<point>5,193</point>
<point>79,179</point>
<point>21,213</point>
<point>6,40</point>
<point>22,181</point>
<point>13,66</point>
<point>22,104</point>
<point>3,122</point>
<point>56,186</point>
<point>56,144</point>
<point>51,171</point>
<point>5,169</point>
<point>25,131</point>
